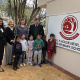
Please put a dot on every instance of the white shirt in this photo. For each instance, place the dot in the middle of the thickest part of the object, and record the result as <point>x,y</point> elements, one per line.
<point>24,45</point>
<point>1,30</point>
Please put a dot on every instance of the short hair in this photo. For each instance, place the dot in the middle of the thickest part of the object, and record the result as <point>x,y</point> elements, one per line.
<point>36,19</point>
<point>17,37</point>
<point>38,34</point>
<point>52,35</point>
<point>30,36</point>
<point>23,19</point>
<point>10,22</point>
<point>44,35</point>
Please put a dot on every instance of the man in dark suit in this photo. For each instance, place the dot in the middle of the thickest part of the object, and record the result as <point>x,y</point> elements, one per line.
<point>35,29</point>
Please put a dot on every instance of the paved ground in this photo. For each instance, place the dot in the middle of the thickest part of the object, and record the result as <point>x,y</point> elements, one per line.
<point>47,72</point>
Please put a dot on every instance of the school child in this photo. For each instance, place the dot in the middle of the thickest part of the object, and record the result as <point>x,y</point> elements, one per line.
<point>37,47</point>
<point>24,49</point>
<point>30,50</point>
<point>44,49</point>
<point>51,47</point>
<point>17,52</point>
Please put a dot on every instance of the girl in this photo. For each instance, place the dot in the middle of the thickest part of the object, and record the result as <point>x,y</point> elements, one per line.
<point>30,54</point>
<point>51,47</point>
<point>24,49</point>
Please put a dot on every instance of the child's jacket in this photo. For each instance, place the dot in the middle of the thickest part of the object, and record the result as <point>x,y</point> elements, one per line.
<point>17,48</point>
<point>38,45</point>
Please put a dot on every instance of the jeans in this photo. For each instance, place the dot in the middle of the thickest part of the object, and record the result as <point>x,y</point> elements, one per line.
<point>22,59</point>
<point>44,55</point>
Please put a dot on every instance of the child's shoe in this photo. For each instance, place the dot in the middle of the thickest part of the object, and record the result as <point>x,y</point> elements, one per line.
<point>31,64</point>
<point>50,63</point>
<point>40,65</point>
<point>24,64</point>
<point>15,69</point>
<point>34,64</point>
<point>21,65</point>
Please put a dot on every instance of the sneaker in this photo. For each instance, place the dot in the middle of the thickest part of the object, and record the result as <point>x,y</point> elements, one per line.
<point>27,63</point>
<point>34,64</point>
<point>24,64</point>
<point>50,63</point>
<point>15,69</point>
<point>31,64</point>
<point>21,65</point>
<point>40,65</point>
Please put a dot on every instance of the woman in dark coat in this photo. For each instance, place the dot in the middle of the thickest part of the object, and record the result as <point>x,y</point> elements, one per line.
<point>2,43</point>
<point>7,60</point>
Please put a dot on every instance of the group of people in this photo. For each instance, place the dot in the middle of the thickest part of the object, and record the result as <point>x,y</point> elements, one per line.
<point>20,40</point>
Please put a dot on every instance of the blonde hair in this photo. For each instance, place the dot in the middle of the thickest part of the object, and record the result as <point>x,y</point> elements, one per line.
<point>10,22</point>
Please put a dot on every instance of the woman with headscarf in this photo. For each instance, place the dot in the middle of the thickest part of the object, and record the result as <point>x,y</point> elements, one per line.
<point>2,43</point>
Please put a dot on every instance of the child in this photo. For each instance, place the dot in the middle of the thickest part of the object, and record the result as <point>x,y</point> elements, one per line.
<point>24,49</point>
<point>44,49</point>
<point>51,47</point>
<point>37,47</point>
<point>17,52</point>
<point>30,54</point>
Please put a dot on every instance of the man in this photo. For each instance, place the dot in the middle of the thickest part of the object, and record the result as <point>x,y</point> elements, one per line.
<point>35,29</point>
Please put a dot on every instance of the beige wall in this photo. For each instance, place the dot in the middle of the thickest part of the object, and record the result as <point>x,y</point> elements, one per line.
<point>64,58</point>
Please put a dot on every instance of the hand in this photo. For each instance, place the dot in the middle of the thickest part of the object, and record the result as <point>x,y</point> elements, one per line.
<point>50,40</point>
<point>21,56</point>
<point>5,45</point>
<point>27,51</point>
<point>13,41</point>
<point>14,56</point>
<point>30,49</point>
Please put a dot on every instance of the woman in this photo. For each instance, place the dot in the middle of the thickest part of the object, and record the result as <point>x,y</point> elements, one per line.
<point>22,29</point>
<point>2,43</point>
<point>10,40</point>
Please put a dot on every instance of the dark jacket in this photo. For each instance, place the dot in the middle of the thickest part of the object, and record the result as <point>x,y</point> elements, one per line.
<point>17,48</point>
<point>40,30</point>
<point>9,35</point>
<point>3,37</point>
<point>45,47</point>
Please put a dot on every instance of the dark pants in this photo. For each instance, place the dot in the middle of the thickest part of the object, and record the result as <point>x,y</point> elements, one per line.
<point>16,59</point>
<point>1,52</point>
<point>44,55</point>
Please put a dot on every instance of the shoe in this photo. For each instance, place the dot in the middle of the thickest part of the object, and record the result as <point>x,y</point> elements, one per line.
<point>9,63</point>
<point>18,67</point>
<point>27,63</point>
<point>34,64</point>
<point>31,64</point>
<point>2,70</point>
<point>15,69</point>
<point>50,63</point>
<point>40,65</point>
<point>24,64</point>
<point>21,65</point>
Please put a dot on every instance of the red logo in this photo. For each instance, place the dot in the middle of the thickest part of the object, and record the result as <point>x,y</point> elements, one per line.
<point>69,28</point>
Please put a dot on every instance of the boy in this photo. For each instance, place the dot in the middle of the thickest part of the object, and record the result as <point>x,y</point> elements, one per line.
<point>51,47</point>
<point>37,48</point>
<point>17,52</point>
<point>44,49</point>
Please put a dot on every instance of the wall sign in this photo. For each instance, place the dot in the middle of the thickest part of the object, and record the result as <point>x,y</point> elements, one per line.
<point>67,30</point>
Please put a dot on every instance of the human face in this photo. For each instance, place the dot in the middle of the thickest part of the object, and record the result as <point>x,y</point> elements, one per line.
<point>11,24</point>
<point>23,22</point>
<point>31,38</point>
<point>44,38</point>
<point>18,40</point>
<point>1,21</point>
<point>39,37</point>
<point>23,37</point>
<point>52,37</point>
<point>36,22</point>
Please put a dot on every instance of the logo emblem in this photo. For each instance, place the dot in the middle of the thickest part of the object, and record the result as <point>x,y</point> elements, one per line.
<point>69,28</point>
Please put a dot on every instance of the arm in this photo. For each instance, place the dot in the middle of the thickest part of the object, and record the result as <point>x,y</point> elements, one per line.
<point>27,33</point>
<point>43,44</point>
<point>16,31</point>
<point>42,31</point>
<point>27,45</point>
<point>34,45</point>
